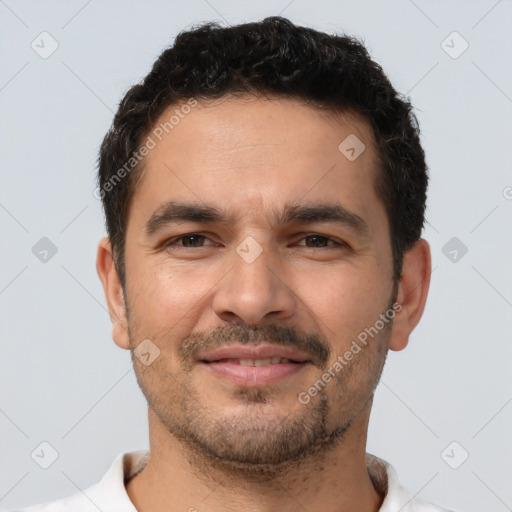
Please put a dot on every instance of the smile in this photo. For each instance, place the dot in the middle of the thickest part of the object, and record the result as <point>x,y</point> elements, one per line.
<point>256,362</point>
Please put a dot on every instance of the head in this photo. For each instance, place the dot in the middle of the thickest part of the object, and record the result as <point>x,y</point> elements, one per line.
<point>263,185</point>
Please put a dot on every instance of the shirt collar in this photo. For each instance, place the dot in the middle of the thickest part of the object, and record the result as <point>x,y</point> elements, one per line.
<point>112,487</point>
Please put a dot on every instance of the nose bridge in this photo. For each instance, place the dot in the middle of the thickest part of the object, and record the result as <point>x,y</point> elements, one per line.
<point>253,289</point>
<point>253,264</point>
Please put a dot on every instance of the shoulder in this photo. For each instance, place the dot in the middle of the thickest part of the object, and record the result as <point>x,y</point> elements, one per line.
<point>77,502</point>
<point>385,479</point>
<point>419,505</point>
<point>109,494</point>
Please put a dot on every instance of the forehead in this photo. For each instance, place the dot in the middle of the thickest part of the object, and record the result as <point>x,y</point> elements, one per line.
<point>253,154</point>
<point>284,122</point>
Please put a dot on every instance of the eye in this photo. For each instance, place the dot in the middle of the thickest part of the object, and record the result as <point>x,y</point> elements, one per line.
<point>321,241</point>
<point>190,240</point>
<point>196,240</point>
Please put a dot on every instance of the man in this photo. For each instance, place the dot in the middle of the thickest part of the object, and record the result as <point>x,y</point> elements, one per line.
<point>264,190</point>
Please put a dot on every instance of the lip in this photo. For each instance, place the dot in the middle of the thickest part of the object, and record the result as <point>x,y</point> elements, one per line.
<point>263,351</point>
<point>221,363</point>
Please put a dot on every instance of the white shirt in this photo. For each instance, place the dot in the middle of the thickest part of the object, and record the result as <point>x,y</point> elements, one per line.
<point>109,494</point>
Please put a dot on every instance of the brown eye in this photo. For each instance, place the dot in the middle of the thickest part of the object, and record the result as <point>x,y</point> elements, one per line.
<point>192,240</point>
<point>189,241</point>
<point>319,241</point>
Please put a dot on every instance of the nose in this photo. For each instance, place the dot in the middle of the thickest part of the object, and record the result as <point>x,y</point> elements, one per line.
<point>255,290</point>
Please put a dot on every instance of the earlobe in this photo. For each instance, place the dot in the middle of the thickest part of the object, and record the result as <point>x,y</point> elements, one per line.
<point>412,293</point>
<point>114,293</point>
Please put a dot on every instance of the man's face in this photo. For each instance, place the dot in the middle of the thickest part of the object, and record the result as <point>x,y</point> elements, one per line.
<point>271,280</point>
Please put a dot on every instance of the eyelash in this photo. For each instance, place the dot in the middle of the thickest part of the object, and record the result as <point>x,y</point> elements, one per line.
<point>171,242</point>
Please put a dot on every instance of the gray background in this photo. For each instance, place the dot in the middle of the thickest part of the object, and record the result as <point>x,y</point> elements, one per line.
<point>64,381</point>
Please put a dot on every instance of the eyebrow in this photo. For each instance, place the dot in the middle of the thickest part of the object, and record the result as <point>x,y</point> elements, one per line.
<point>174,212</point>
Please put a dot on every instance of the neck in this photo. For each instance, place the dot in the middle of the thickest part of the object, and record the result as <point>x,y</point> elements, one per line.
<point>176,478</point>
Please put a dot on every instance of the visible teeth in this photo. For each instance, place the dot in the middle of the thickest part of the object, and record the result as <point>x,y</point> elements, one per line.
<point>263,362</point>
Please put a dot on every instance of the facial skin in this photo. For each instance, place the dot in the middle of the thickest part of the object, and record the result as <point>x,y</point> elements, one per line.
<point>251,158</point>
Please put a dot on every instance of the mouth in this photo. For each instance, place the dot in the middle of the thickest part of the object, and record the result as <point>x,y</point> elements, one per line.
<point>255,362</point>
<point>254,366</point>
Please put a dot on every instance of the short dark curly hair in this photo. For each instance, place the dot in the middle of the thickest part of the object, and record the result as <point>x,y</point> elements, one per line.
<point>273,57</point>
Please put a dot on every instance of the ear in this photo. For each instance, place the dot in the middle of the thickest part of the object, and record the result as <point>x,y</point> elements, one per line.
<point>114,294</point>
<point>412,293</point>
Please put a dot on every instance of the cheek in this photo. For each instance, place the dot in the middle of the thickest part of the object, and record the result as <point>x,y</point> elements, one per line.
<point>344,300</point>
<point>163,300</point>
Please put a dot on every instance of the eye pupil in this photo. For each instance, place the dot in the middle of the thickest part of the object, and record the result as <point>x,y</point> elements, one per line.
<point>317,238</point>
<point>188,238</point>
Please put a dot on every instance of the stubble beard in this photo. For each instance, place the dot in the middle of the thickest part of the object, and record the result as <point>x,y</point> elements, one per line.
<point>259,448</point>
